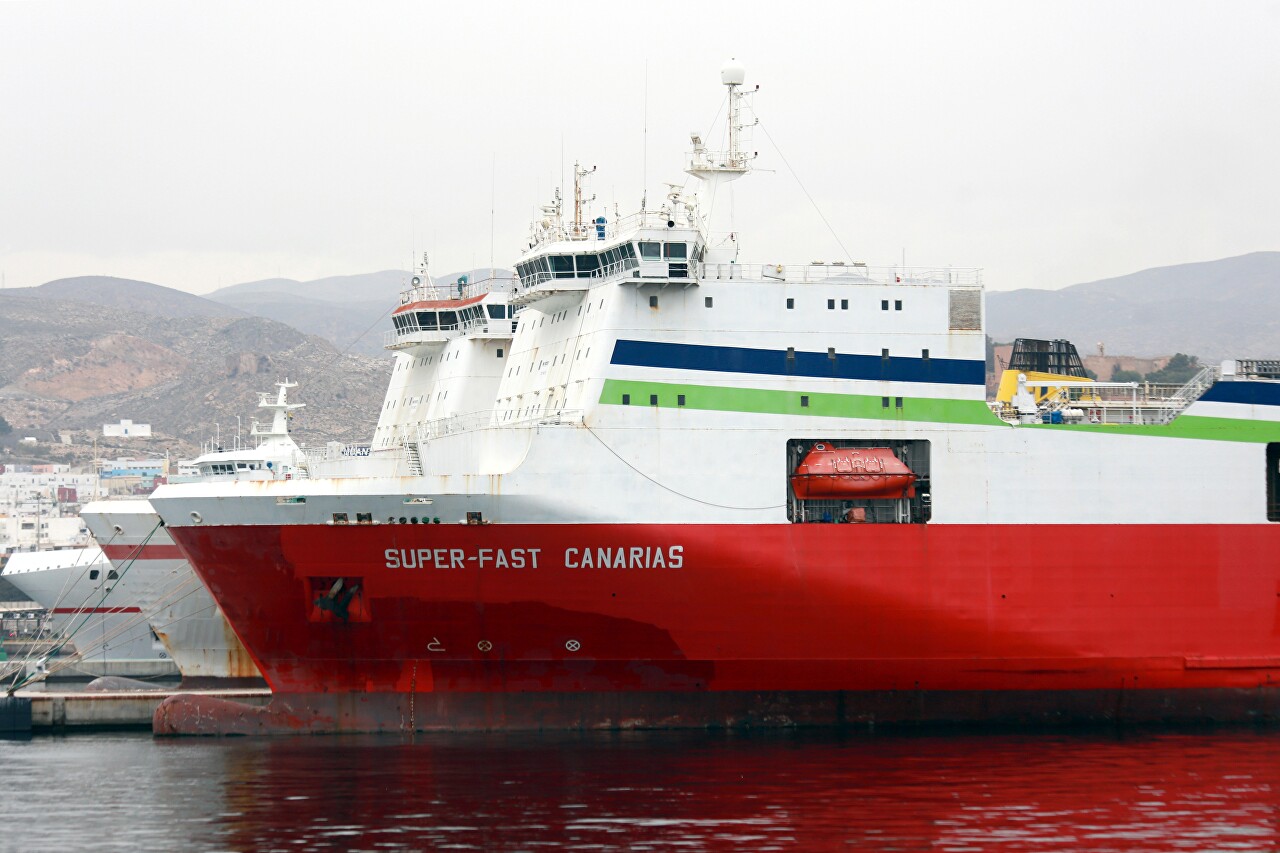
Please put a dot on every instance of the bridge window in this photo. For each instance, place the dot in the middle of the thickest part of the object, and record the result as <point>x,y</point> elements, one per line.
<point>497,312</point>
<point>427,320</point>
<point>448,319</point>
<point>677,251</point>
<point>561,266</point>
<point>588,265</point>
<point>650,251</point>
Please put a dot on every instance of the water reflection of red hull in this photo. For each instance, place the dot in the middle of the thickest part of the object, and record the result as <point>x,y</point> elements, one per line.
<point>757,792</point>
<point>815,623</point>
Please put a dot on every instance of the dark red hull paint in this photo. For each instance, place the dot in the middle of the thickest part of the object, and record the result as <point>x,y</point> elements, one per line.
<point>844,613</point>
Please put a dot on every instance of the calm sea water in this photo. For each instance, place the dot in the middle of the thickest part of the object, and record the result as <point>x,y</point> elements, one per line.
<point>644,791</point>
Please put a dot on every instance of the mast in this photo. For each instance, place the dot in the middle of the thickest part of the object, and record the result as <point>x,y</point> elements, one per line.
<point>578,174</point>
<point>279,408</point>
<point>716,168</point>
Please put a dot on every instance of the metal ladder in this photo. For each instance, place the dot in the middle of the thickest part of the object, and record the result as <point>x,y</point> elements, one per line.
<point>412,457</point>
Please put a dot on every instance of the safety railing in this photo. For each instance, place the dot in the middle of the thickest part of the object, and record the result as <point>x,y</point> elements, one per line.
<point>848,273</point>
<point>487,419</point>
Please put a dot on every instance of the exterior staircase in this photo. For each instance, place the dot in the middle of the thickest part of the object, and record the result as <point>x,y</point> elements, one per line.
<point>413,458</point>
<point>1189,393</point>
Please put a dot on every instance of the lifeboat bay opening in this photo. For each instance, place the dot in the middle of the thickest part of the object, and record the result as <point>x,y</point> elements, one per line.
<point>858,481</point>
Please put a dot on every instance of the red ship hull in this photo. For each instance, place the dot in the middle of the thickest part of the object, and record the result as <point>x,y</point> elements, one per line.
<point>485,626</point>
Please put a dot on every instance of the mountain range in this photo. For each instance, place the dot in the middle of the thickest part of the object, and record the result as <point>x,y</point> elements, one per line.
<point>351,311</point>
<point>1228,308</point>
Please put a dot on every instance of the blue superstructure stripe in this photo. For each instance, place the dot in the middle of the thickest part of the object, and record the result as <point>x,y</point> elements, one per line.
<point>896,368</point>
<point>1252,393</point>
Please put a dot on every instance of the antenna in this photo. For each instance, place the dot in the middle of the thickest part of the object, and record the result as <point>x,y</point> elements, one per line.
<point>644,180</point>
<point>493,182</point>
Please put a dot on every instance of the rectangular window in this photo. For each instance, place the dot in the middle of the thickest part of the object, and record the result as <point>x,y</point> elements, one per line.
<point>679,399</point>
<point>884,355</point>
<point>897,402</point>
<point>884,402</point>
<point>650,251</point>
<point>561,266</point>
<point>804,401</point>
<point>653,399</point>
<point>626,399</point>
<point>588,265</point>
<point>677,251</point>
<point>791,303</point>
<point>924,353</point>
<point>831,304</point>
<point>653,302</point>
<point>499,352</point>
<point>1273,481</point>
<point>884,304</point>
<point>844,304</point>
<point>707,301</point>
<point>897,305</point>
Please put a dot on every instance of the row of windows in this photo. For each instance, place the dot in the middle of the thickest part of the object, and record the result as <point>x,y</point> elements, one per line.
<point>804,401</point>
<point>577,266</point>
<point>223,468</point>
<point>432,321</point>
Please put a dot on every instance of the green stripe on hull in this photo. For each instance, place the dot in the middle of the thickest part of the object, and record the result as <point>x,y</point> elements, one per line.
<point>1187,426</point>
<point>917,409</point>
<point>766,402</point>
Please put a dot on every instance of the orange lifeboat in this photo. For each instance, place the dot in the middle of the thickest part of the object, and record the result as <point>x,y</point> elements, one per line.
<point>852,472</point>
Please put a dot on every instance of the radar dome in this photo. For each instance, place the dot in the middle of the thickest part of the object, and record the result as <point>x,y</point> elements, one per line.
<point>732,73</point>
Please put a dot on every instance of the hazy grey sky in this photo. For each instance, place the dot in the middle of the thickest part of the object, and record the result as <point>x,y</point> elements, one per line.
<point>198,145</point>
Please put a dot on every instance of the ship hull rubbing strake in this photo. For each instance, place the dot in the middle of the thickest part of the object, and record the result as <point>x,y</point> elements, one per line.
<point>938,613</point>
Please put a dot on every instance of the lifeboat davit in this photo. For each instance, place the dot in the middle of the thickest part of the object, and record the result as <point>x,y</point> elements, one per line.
<point>852,472</point>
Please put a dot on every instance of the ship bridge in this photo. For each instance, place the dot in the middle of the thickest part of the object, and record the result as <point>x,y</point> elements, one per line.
<point>429,317</point>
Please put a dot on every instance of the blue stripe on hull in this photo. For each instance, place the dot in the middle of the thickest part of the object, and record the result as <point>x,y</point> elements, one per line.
<point>1251,393</point>
<point>896,368</point>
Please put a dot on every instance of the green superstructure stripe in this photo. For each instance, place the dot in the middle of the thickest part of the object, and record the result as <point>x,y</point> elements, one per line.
<point>917,409</point>
<point>761,401</point>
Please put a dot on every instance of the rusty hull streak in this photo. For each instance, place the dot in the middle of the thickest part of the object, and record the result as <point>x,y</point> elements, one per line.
<point>334,713</point>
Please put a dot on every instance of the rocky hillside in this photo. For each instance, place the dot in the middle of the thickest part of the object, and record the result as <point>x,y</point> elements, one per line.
<point>69,365</point>
<point>1216,309</point>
